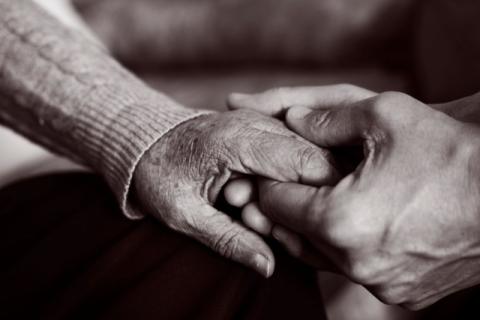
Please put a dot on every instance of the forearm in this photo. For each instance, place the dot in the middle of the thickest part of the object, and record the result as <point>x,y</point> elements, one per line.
<point>62,90</point>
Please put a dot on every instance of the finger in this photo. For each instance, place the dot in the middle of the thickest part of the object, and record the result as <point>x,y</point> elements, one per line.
<point>294,244</point>
<point>291,241</point>
<point>299,248</point>
<point>253,218</point>
<point>275,102</point>
<point>297,206</point>
<point>239,192</point>
<point>331,127</point>
<point>228,237</point>
<point>284,158</point>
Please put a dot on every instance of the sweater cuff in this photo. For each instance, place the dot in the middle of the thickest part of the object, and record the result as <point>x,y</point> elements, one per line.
<point>126,127</point>
<point>122,180</point>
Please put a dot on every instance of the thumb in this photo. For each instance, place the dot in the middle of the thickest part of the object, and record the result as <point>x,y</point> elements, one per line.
<point>331,127</point>
<point>275,102</point>
<point>294,205</point>
<point>227,237</point>
<point>288,159</point>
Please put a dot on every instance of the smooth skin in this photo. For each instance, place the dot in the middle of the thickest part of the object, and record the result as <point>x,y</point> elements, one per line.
<point>405,223</point>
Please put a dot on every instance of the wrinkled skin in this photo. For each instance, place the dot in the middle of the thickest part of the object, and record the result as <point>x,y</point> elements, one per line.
<point>181,176</point>
<point>405,224</point>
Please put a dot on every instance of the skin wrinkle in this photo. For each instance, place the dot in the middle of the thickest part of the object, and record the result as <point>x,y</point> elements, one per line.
<point>226,244</point>
<point>198,159</point>
<point>307,152</point>
<point>190,151</point>
<point>414,156</point>
<point>218,181</point>
<point>253,155</point>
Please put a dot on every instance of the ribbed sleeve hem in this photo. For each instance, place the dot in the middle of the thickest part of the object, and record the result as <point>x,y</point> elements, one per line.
<point>121,180</point>
<point>121,128</point>
<point>63,91</point>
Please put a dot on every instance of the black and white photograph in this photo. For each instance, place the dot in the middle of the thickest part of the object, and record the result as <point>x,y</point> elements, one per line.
<point>239,159</point>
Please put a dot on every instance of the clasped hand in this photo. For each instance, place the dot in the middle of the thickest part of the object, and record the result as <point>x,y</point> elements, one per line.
<point>179,179</point>
<point>406,222</point>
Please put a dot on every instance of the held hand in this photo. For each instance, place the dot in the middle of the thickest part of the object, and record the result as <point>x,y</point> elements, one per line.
<point>180,177</point>
<point>275,103</point>
<point>406,223</point>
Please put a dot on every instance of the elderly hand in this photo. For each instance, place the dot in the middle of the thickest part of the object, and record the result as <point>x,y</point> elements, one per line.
<point>180,177</point>
<point>274,103</point>
<point>406,222</point>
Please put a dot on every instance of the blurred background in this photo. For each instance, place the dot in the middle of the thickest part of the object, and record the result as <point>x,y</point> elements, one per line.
<point>199,51</point>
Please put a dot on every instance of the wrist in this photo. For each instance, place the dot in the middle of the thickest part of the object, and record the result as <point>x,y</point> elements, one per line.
<point>177,143</point>
<point>465,110</point>
<point>172,140</point>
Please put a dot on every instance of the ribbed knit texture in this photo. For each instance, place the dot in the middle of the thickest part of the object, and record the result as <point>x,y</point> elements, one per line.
<point>63,91</point>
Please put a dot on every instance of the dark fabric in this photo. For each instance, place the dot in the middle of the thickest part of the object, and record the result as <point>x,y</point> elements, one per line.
<point>68,253</point>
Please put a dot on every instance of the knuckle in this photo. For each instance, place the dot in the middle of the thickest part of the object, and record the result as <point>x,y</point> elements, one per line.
<point>395,110</point>
<point>227,243</point>
<point>380,106</point>
<point>395,292</point>
<point>307,156</point>
<point>361,272</point>
<point>363,230</point>
<point>397,295</point>
<point>385,102</point>
<point>339,237</point>
<point>391,296</point>
<point>320,119</point>
<point>334,231</point>
<point>351,229</point>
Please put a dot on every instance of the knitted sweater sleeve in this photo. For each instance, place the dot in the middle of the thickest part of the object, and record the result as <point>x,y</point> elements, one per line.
<point>65,92</point>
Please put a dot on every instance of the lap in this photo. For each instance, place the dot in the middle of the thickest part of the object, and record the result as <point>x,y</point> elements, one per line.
<point>67,252</point>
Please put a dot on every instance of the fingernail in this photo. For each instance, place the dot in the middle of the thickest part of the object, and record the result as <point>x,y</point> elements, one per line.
<point>263,265</point>
<point>298,113</point>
